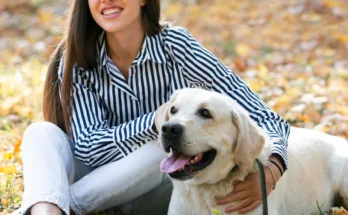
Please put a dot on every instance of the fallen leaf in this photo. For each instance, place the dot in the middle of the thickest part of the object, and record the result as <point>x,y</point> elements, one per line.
<point>243,50</point>
<point>10,169</point>
<point>17,146</point>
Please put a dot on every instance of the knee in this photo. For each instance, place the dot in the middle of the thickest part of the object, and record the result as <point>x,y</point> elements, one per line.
<point>38,131</point>
<point>39,127</point>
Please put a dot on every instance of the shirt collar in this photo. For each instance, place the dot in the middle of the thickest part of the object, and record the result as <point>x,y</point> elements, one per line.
<point>152,49</point>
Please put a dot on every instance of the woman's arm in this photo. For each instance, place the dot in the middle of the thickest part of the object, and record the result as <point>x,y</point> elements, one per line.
<point>96,142</point>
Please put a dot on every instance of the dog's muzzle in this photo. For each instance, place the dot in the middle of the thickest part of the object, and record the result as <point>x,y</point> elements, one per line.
<point>171,135</point>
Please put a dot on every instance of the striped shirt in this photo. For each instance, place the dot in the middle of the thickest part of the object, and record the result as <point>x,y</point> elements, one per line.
<point>112,116</point>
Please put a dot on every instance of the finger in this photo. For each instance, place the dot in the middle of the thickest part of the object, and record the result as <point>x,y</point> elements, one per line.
<point>239,187</point>
<point>250,207</point>
<point>240,205</point>
<point>232,198</point>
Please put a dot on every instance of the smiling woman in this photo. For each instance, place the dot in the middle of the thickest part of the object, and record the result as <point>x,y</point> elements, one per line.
<point>114,67</point>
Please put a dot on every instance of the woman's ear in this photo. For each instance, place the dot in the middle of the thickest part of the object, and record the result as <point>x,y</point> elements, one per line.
<point>142,2</point>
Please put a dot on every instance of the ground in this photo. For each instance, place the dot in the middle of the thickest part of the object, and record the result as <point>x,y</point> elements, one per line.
<point>294,54</point>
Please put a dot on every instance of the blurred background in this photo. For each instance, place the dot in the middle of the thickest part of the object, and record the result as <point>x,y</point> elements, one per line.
<point>293,53</point>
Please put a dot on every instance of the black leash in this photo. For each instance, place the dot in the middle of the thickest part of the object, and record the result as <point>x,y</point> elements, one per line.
<point>263,188</point>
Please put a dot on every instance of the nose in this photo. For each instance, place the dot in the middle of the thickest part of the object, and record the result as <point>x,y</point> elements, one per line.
<point>171,130</point>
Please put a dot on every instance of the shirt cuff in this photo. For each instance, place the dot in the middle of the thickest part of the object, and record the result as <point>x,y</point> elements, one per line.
<point>280,150</point>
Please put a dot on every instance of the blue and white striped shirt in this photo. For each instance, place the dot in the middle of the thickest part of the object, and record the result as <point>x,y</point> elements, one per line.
<point>112,116</point>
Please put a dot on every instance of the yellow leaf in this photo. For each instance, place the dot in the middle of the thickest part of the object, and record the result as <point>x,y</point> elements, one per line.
<point>343,38</point>
<point>10,169</point>
<point>332,4</point>
<point>304,118</point>
<point>263,71</point>
<point>243,50</point>
<point>46,14</point>
<point>256,85</point>
<point>7,156</point>
<point>174,9</point>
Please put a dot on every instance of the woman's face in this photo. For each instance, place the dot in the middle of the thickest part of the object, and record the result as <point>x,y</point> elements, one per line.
<point>116,15</point>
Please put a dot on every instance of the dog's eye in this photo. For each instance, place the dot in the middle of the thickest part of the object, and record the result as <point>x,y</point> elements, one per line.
<point>173,110</point>
<point>205,113</point>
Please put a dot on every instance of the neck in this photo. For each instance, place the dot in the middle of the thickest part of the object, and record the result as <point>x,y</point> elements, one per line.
<point>123,47</point>
<point>201,197</point>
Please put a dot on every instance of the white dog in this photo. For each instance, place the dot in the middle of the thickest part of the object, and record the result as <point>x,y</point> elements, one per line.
<point>208,135</point>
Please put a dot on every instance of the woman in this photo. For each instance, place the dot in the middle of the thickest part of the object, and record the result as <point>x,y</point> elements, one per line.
<point>114,67</point>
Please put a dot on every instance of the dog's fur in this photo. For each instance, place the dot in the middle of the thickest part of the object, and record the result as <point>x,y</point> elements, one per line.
<point>318,163</point>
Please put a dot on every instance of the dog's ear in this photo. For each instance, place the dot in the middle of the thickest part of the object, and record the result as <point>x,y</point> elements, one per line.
<point>162,113</point>
<point>250,140</point>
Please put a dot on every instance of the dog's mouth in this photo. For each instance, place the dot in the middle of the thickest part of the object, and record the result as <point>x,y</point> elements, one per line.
<point>183,167</point>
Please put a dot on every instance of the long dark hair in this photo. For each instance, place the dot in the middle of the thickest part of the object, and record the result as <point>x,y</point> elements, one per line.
<point>79,47</point>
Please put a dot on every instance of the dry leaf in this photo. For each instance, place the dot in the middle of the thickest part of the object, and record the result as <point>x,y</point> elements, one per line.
<point>243,50</point>
<point>9,169</point>
<point>17,146</point>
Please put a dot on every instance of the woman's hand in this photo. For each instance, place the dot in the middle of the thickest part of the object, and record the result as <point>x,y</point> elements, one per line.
<point>248,192</point>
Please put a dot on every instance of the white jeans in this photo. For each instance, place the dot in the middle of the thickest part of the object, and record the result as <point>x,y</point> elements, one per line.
<point>52,174</point>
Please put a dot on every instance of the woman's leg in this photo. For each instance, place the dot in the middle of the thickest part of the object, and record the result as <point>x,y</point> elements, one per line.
<point>122,182</point>
<point>48,166</point>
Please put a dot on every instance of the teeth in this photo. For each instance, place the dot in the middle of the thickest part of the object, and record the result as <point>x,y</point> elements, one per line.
<point>195,159</point>
<point>111,11</point>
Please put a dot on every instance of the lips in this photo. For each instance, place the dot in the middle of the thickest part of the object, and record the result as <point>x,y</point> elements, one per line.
<point>111,11</point>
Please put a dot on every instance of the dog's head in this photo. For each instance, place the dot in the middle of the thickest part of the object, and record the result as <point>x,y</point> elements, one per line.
<point>206,135</point>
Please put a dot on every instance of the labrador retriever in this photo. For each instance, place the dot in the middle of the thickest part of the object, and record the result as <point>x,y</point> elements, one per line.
<point>212,142</point>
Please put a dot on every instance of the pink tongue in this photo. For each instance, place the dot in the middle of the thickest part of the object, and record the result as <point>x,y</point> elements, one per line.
<point>174,162</point>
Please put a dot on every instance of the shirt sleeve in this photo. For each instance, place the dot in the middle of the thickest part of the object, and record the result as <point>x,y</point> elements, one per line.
<point>95,141</point>
<point>200,64</point>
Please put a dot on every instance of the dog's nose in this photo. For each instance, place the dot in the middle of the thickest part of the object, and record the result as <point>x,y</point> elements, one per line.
<point>171,130</point>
